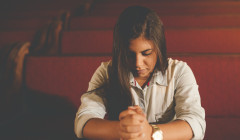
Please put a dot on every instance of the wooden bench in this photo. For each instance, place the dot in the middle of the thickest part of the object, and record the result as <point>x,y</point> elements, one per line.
<point>192,40</point>
<point>169,21</point>
<point>7,37</point>
<point>216,75</point>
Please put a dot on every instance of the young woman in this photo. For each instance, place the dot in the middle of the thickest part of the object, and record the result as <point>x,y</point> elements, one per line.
<point>144,94</point>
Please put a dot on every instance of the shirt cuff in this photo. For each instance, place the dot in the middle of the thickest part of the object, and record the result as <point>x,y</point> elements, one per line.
<point>197,128</point>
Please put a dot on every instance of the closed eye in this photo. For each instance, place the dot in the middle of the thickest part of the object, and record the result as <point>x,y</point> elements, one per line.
<point>147,52</point>
<point>144,53</point>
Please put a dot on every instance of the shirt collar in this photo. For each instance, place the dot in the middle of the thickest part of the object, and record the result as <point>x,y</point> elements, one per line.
<point>156,78</point>
<point>131,78</point>
<point>159,78</point>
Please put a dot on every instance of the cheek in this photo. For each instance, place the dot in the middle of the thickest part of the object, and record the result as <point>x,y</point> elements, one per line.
<point>152,62</point>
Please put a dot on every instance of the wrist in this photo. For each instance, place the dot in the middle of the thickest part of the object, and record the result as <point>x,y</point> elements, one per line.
<point>117,129</point>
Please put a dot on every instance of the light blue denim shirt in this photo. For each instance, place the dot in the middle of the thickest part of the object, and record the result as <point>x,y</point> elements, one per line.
<point>166,98</point>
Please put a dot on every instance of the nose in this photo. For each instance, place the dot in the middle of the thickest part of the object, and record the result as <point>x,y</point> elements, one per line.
<point>139,61</point>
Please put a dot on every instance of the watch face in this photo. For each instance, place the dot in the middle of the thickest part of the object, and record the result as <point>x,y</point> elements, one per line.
<point>157,135</point>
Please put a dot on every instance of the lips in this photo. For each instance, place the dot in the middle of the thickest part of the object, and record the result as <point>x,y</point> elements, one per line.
<point>141,71</point>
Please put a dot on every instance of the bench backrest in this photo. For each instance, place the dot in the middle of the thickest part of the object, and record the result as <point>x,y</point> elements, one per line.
<point>218,78</point>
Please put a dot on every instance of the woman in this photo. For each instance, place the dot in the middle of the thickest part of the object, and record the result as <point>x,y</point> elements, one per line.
<point>144,94</point>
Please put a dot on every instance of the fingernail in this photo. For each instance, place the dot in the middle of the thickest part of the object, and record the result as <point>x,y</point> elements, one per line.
<point>131,107</point>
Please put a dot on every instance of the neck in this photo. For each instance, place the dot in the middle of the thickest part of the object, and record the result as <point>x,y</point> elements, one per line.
<point>143,81</point>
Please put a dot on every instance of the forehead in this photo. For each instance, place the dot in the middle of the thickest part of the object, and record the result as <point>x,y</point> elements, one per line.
<point>141,44</point>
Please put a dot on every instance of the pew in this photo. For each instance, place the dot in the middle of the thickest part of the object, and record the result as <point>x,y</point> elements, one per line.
<point>162,4</point>
<point>62,76</point>
<point>176,11</point>
<point>217,77</point>
<point>169,21</point>
<point>7,37</point>
<point>192,40</point>
<point>23,24</point>
<point>169,7</point>
<point>87,42</point>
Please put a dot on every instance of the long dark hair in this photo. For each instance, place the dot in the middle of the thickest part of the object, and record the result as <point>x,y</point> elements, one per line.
<point>135,21</point>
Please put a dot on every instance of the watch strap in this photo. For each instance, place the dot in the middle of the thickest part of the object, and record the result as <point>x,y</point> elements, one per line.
<point>156,132</point>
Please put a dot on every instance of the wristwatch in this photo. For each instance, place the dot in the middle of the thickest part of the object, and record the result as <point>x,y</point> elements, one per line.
<point>157,133</point>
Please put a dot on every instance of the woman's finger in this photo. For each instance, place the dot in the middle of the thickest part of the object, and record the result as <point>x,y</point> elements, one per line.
<point>131,128</point>
<point>126,113</point>
<point>138,109</point>
<point>133,119</point>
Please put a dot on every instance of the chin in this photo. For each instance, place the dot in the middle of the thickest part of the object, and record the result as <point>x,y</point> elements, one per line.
<point>143,75</point>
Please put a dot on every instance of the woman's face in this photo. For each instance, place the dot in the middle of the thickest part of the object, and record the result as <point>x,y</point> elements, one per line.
<point>142,56</point>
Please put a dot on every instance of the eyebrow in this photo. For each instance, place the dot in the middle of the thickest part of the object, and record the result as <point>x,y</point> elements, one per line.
<point>146,50</point>
<point>142,51</point>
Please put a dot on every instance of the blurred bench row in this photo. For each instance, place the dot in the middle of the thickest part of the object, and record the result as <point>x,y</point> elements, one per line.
<point>106,7</point>
<point>108,22</point>
<point>217,76</point>
<point>214,40</point>
<point>49,73</point>
<point>91,31</point>
<point>103,15</point>
<point>180,8</point>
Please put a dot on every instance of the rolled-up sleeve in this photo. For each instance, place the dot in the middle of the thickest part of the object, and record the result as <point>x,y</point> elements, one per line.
<point>188,102</point>
<point>92,105</point>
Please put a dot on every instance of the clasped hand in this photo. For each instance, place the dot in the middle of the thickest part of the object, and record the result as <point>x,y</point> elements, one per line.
<point>134,125</point>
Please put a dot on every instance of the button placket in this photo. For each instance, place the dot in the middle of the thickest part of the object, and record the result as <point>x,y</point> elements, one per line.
<point>142,102</point>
